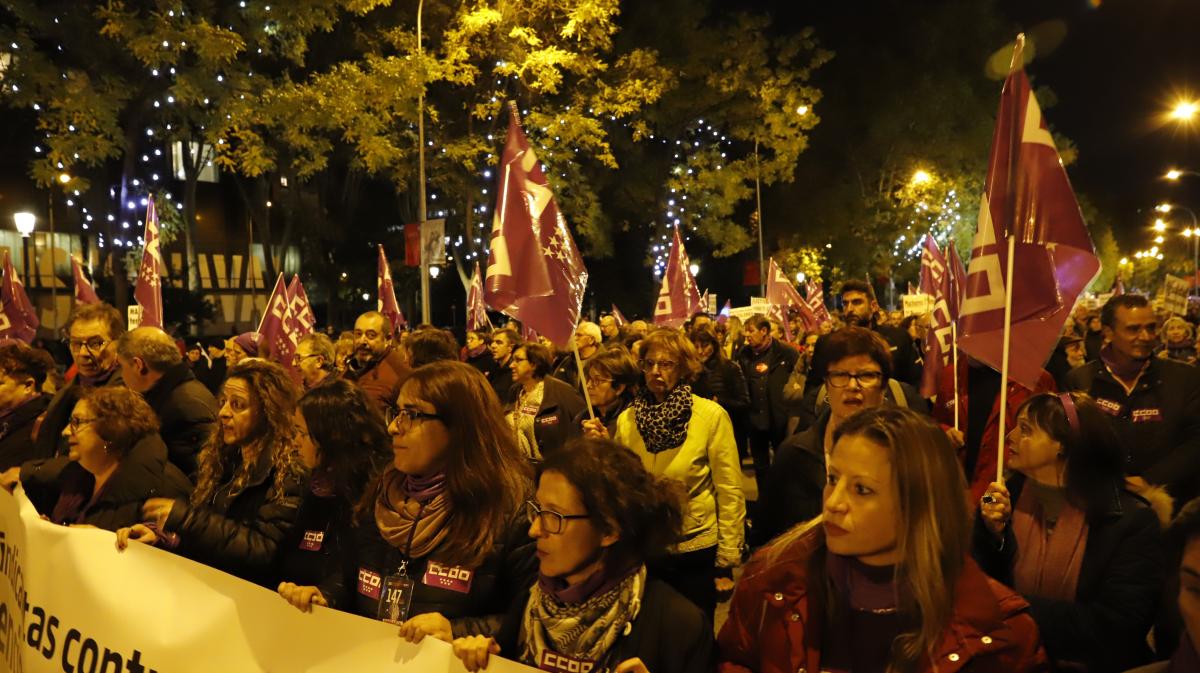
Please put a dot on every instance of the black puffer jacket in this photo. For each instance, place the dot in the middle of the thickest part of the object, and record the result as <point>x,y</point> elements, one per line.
<point>313,552</point>
<point>144,473</point>
<point>187,414</point>
<point>723,382</point>
<point>16,433</point>
<point>507,571</point>
<point>239,532</point>
<point>670,634</point>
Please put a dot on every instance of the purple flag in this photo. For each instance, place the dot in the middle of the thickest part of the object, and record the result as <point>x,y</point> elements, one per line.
<point>148,291</point>
<point>18,320</point>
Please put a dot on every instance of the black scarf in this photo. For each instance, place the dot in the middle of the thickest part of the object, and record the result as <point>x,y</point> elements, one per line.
<point>663,426</point>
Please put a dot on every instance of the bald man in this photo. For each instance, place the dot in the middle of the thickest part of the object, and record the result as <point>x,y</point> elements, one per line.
<point>152,365</point>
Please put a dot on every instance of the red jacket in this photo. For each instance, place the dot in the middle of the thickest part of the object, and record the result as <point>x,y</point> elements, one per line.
<point>990,632</point>
<point>383,380</point>
<point>943,412</point>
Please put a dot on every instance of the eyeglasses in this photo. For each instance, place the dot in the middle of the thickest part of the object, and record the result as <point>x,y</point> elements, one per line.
<point>298,358</point>
<point>552,522</point>
<point>865,379</point>
<point>596,381</point>
<point>76,422</point>
<point>406,417</point>
<point>663,365</point>
<point>93,345</point>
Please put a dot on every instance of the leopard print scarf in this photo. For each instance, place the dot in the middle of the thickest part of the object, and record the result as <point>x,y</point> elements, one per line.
<point>663,426</point>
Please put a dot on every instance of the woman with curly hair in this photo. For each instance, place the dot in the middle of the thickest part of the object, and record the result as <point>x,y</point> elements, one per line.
<point>116,461</point>
<point>344,440</point>
<point>249,483</point>
<point>598,516</point>
<point>440,548</point>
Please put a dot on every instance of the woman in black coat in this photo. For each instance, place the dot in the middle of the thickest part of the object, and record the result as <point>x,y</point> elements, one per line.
<point>544,408</point>
<point>343,439</point>
<point>612,378</point>
<point>116,461</point>
<point>1085,553</point>
<point>598,516</point>
<point>249,486</point>
<point>722,380</point>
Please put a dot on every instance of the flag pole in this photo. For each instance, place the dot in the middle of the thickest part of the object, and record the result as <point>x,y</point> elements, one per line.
<point>583,380</point>
<point>1008,298</point>
<point>954,356</point>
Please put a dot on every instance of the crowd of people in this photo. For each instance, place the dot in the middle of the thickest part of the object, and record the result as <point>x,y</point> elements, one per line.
<point>589,512</point>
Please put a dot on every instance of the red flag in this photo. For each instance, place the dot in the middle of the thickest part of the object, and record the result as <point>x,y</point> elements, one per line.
<point>84,292</point>
<point>302,313</point>
<point>412,245</point>
<point>18,320</point>
<point>935,282</point>
<point>148,291</point>
<point>618,316</point>
<point>535,273</point>
<point>781,294</point>
<point>386,302</point>
<point>1027,196</point>
<point>815,298</point>
<point>477,317</point>
<point>277,329</point>
<point>678,298</point>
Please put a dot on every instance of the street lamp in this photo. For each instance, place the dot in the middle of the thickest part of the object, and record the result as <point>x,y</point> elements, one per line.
<point>799,276</point>
<point>694,269</point>
<point>25,221</point>
<point>1184,110</point>
<point>921,177</point>
<point>1159,225</point>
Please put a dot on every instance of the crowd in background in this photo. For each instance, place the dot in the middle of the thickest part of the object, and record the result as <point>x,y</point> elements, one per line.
<point>591,512</point>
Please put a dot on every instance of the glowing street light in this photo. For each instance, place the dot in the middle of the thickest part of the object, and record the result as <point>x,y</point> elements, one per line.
<point>1173,174</point>
<point>799,276</point>
<point>24,222</point>
<point>64,178</point>
<point>1163,207</point>
<point>802,110</point>
<point>1159,239</point>
<point>694,268</point>
<point>1124,261</point>
<point>921,178</point>
<point>1160,226</point>
<point>1185,110</point>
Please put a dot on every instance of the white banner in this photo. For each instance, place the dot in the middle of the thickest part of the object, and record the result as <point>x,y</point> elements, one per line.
<point>917,304</point>
<point>1175,292</point>
<point>73,604</point>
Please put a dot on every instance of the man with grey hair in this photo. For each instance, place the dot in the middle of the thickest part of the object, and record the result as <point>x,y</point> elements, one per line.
<point>589,341</point>
<point>314,359</point>
<point>152,365</point>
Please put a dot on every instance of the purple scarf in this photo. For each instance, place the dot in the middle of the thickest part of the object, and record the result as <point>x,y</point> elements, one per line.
<point>423,489</point>
<point>601,581</point>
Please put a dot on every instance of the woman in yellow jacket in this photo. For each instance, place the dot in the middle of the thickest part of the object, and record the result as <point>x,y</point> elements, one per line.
<point>689,438</point>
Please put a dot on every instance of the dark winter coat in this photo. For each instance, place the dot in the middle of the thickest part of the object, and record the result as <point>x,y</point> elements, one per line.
<point>507,571</point>
<point>555,420</point>
<point>187,414</point>
<point>16,433</point>
<point>240,532</point>
<point>144,473</point>
<point>313,551</point>
<point>797,479</point>
<point>670,634</point>
<point>1117,596</point>
<point>723,382</point>
<point>1159,422</point>
<point>766,374</point>
<point>502,381</point>
<point>49,441</point>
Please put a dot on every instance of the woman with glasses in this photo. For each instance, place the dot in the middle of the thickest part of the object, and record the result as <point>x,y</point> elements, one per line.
<point>689,438</point>
<point>859,366</point>
<point>597,517</point>
<point>343,440</point>
<point>544,408</point>
<point>248,486</point>
<point>612,378</point>
<point>115,461</point>
<point>440,546</point>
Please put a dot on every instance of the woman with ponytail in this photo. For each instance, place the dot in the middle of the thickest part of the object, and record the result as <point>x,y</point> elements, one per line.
<point>882,581</point>
<point>598,516</point>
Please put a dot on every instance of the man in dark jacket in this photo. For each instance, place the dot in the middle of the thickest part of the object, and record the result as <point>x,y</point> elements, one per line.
<point>767,363</point>
<point>378,366</point>
<point>860,308</point>
<point>504,341</point>
<point>1155,403</point>
<point>22,372</point>
<point>187,411</point>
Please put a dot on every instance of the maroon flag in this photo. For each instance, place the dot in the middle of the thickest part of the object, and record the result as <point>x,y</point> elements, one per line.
<point>477,317</point>
<point>535,273</point>
<point>277,329</point>
<point>385,301</point>
<point>618,316</point>
<point>815,298</point>
<point>1027,196</point>
<point>148,291</point>
<point>782,295</point>
<point>958,277</point>
<point>84,292</point>
<point>678,298</point>
<point>18,320</point>
<point>302,314</point>
<point>939,339</point>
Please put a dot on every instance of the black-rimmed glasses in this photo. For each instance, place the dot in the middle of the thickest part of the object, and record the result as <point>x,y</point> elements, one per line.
<point>552,522</point>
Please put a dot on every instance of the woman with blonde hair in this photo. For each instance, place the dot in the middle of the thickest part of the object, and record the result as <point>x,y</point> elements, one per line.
<point>882,580</point>
<point>683,436</point>
<point>248,486</point>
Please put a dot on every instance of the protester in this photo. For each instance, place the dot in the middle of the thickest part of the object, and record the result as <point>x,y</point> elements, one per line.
<point>477,354</point>
<point>430,345</point>
<point>598,515</point>
<point>92,331</point>
<point>503,342</point>
<point>883,579</point>
<point>610,330</point>
<point>316,360</point>
<point>1093,335</point>
<point>445,519</point>
<point>343,352</point>
<point>1155,403</point>
<point>612,379</point>
<point>722,380</point>
<point>1178,342</point>
<point>589,342</point>
<point>544,408</point>
<point>343,440</point>
<point>248,487</point>
<point>1183,540</point>
<point>855,379</point>
<point>859,308</point>
<point>214,375</point>
<point>23,370</point>
<point>689,438</point>
<point>187,412</point>
<point>240,347</point>
<point>735,337</point>
<point>1064,533</point>
<point>1069,354</point>
<point>767,363</point>
<point>379,366</point>
<point>116,461</point>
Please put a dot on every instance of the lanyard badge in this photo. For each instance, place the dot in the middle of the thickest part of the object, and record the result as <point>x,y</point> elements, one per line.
<point>395,600</point>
